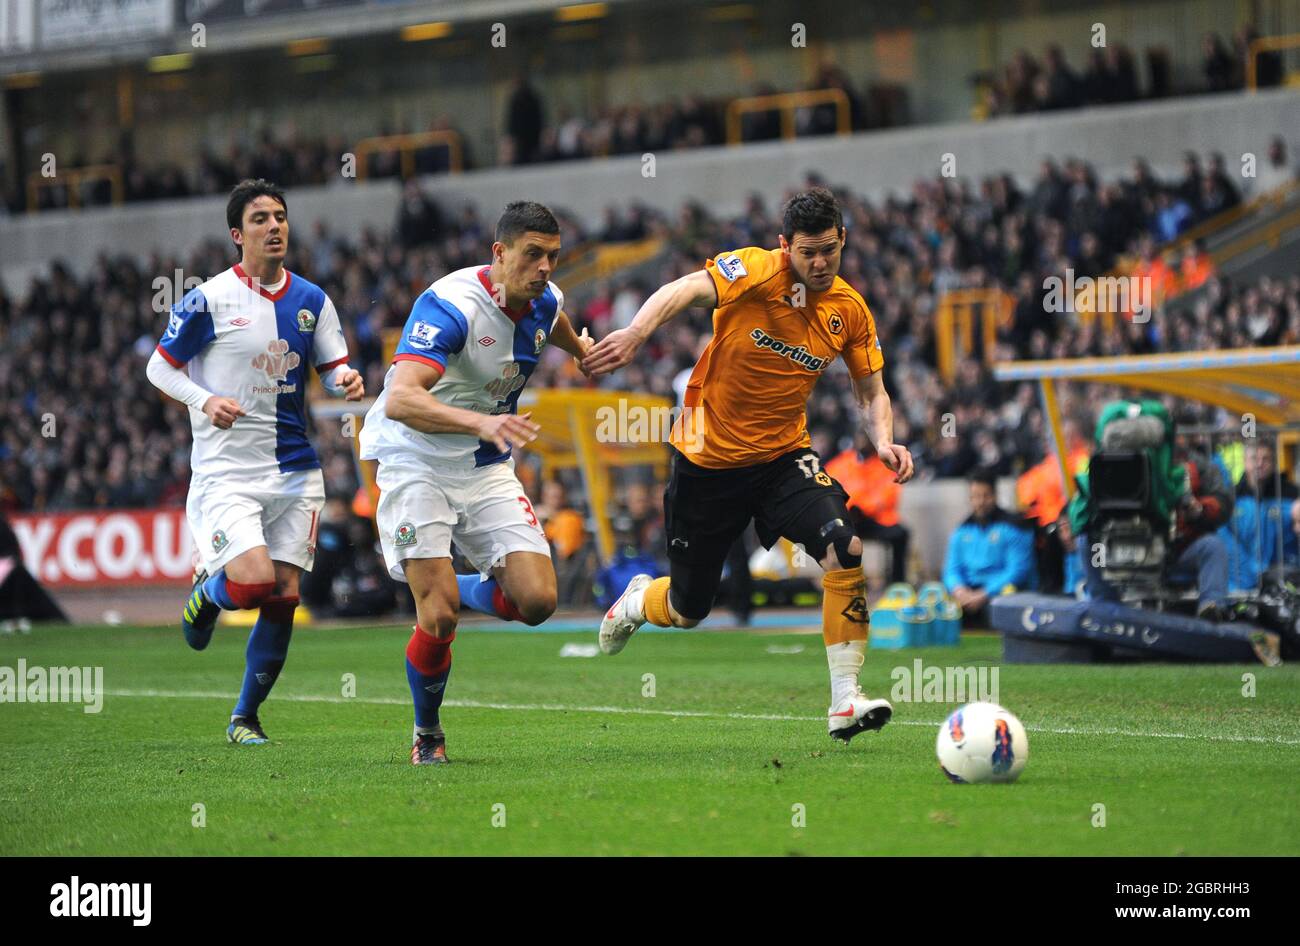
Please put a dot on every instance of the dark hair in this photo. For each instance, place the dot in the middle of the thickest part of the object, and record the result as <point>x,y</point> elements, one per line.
<point>986,476</point>
<point>813,211</point>
<point>524,216</point>
<point>247,191</point>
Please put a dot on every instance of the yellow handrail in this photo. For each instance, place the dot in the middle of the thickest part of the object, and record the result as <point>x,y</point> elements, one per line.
<point>787,102</point>
<point>73,178</point>
<point>406,146</point>
<point>1266,44</point>
<point>955,314</point>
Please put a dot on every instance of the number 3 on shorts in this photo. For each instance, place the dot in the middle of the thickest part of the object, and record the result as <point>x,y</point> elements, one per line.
<point>528,513</point>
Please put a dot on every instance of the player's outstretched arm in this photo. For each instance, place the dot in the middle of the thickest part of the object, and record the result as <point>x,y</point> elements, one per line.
<point>875,403</point>
<point>411,403</point>
<point>619,347</point>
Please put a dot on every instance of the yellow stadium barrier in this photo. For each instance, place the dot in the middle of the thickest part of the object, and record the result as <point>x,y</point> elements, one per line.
<point>406,146</point>
<point>786,103</point>
<point>955,320</point>
<point>1266,44</point>
<point>72,179</point>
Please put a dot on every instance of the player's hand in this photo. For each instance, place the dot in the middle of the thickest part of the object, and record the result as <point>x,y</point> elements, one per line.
<point>222,411</point>
<point>354,388</point>
<point>897,458</point>
<point>612,352</point>
<point>585,343</point>
<point>507,430</point>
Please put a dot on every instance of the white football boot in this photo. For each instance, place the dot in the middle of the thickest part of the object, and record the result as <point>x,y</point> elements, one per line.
<point>857,713</point>
<point>626,615</point>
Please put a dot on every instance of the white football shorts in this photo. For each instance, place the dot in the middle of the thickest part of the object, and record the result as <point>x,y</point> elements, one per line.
<point>228,517</point>
<point>423,509</point>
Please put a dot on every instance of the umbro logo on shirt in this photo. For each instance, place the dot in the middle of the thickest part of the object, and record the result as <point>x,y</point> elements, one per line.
<point>487,341</point>
<point>240,322</point>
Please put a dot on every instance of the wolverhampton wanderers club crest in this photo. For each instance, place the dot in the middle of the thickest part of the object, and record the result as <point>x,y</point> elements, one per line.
<point>404,535</point>
<point>306,321</point>
<point>539,342</point>
<point>219,541</point>
<point>857,611</point>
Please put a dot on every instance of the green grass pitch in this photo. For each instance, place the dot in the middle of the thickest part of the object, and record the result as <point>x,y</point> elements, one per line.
<point>715,762</point>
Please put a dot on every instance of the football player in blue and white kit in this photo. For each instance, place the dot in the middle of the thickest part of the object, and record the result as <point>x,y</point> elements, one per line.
<point>442,430</point>
<point>248,336</point>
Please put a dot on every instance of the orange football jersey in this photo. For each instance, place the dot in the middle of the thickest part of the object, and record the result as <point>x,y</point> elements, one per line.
<point>747,398</point>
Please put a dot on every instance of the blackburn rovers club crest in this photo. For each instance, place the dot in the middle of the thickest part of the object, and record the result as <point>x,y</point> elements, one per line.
<point>835,324</point>
<point>539,342</point>
<point>306,321</point>
<point>219,541</point>
<point>404,535</point>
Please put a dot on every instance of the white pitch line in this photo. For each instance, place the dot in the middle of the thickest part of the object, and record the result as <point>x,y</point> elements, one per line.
<point>694,714</point>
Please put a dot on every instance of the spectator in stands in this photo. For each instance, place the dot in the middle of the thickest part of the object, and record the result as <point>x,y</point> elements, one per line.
<point>566,530</point>
<point>1261,520</point>
<point>1217,170</point>
<point>1172,216</point>
<point>990,554</point>
<point>1273,172</point>
<point>873,501</point>
<point>1062,83</point>
<point>1218,66</point>
<point>1197,267</point>
<point>524,121</point>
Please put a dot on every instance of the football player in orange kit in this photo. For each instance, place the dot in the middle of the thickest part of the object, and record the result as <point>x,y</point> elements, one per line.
<point>741,449</point>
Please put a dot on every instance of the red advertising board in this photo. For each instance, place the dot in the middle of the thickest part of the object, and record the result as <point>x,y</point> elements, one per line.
<point>118,547</point>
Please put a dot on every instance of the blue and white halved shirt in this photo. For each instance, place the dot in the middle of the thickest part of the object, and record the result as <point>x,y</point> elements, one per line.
<point>253,344</point>
<point>486,353</point>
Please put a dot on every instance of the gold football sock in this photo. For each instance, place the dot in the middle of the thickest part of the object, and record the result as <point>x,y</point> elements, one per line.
<point>844,628</point>
<point>844,606</point>
<point>655,603</point>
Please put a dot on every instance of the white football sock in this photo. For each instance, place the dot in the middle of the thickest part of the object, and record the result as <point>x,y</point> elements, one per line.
<point>845,660</point>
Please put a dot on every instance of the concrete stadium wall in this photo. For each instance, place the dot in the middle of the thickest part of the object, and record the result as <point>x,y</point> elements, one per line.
<point>875,163</point>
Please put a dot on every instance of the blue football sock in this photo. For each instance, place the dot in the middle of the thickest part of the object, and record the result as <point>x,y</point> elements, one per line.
<point>427,692</point>
<point>477,594</point>
<point>215,590</point>
<point>268,646</point>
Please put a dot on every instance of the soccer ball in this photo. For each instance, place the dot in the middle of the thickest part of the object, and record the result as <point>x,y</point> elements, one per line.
<point>982,742</point>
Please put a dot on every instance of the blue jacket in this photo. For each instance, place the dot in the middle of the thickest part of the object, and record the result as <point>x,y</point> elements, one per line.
<point>1251,535</point>
<point>991,555</point>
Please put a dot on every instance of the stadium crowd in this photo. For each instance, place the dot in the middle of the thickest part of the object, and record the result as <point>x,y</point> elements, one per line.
<point>533,132</point>
<point>1029,84</point>
<point>83,429</point>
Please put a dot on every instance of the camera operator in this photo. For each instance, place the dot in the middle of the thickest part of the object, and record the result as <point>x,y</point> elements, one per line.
<point>1199,556</point>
